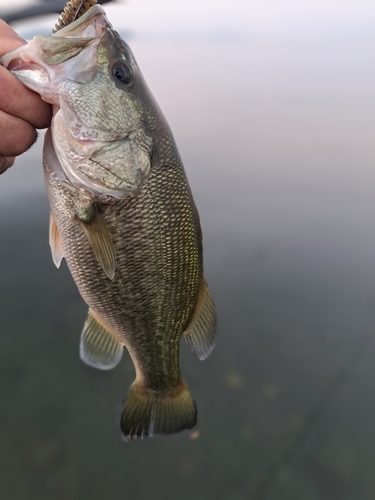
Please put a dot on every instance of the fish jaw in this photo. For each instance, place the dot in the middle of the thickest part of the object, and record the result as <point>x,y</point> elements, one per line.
<point>44,62</point>
<point>26,65</point>
<point>32,64</point>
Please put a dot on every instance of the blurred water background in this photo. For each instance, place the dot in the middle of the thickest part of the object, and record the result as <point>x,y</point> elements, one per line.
<point>272,106</point>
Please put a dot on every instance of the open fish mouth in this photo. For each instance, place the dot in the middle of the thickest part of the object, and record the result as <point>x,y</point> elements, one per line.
<point>29,72</point>
<point>40,63</point>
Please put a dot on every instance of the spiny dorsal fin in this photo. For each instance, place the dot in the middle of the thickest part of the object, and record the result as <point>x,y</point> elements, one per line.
<point>55,242</point>
<point>200,333</point>
<point>101,242</point>
<point>99,348</point>
<point>72,11</point>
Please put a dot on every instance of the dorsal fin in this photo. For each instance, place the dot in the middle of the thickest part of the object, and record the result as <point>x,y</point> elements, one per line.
<point>200,333</point>
<point>99,348</point>
<point>100,241</point>
<point>55,242</point>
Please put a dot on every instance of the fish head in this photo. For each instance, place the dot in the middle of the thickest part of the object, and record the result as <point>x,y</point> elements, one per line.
<point>100,103</point>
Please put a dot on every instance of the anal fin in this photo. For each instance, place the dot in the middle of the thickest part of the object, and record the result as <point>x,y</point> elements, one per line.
<point>200,333</point>
<point>55,242</point>
<point>100,240</point>
<point>99,348</point>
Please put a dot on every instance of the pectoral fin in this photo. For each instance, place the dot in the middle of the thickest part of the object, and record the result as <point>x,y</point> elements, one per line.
<point>99,348</point>
<point>55,242</point>
<point>200,332</point>
<point>100,241</point>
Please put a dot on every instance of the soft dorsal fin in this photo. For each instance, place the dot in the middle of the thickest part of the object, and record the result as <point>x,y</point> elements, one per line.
<point>55,242</point>
<point>99,348</point>
<point>100,241</point>
<point>200,333</point>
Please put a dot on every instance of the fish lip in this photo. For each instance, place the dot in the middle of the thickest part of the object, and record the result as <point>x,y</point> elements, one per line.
<point>83,27</point>
<point>23,69</point>
<point>18,64</point>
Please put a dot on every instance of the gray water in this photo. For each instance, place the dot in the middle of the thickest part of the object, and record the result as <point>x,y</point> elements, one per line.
<point>278,144</point>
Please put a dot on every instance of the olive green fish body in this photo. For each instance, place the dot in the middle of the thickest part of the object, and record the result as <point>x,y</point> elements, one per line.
<point>122,215</point>
<point>157,241</point>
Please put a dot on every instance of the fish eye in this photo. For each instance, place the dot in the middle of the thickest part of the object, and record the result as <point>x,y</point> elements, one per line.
<point>122,73</point>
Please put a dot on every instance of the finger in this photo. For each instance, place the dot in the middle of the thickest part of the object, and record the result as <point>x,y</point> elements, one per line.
<point>17,100</point>
<point>9,40</point>
<point>16,135</point>
<point>5,163</point>
<point>14,97</point>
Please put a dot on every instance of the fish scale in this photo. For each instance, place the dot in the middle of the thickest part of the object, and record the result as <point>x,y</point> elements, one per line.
<point>160,261</point>
<point>123,217</point>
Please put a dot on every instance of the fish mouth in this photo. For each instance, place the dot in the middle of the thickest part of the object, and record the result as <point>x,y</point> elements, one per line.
<point>40,62</point>
<point>18,64</point>
<point>92,24</point>
<point>31,73</point>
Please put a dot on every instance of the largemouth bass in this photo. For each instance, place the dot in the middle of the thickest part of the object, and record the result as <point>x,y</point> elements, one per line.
<point>122,215</point>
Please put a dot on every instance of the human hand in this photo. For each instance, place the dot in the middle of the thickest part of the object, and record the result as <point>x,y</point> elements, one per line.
<point>21,110</point>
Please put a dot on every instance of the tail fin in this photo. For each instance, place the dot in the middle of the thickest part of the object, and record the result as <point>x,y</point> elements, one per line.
<point>146,413</point>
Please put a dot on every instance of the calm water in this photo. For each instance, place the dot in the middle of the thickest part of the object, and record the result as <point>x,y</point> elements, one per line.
<point>278,144</point>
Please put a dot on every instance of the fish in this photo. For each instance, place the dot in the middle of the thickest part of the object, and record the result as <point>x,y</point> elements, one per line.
<point>122,216</point>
